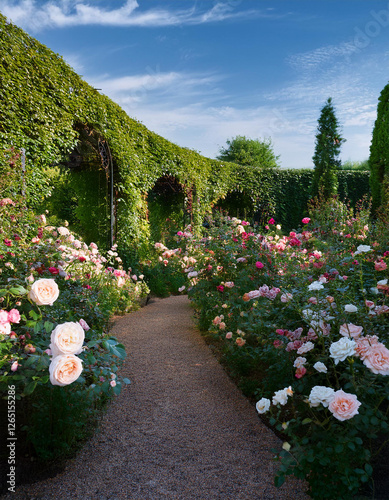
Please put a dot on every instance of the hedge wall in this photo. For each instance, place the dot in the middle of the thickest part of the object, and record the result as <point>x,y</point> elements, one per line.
<point>47,107</point>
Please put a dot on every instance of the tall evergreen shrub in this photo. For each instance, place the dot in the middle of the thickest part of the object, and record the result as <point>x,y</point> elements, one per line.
<point>327,149</point>
<point>379,152</point>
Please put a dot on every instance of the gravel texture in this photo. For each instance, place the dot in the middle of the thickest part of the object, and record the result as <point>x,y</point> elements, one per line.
<point>181,430</point>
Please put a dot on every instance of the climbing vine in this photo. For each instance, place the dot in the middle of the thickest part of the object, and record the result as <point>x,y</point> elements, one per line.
<point>48,110</point>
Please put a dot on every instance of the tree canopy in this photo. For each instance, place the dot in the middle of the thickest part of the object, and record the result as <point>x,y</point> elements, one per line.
<point>249,152</point>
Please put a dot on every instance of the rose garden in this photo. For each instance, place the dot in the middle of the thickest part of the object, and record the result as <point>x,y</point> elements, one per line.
<point>297,314</point>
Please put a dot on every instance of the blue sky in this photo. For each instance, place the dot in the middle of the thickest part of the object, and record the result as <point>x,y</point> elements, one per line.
<point>199,72</point>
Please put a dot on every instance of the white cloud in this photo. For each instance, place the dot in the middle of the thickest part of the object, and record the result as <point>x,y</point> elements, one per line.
<point>64,13</point>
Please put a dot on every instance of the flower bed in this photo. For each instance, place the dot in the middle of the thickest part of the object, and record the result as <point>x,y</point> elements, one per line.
<point>57,295</point>
<point>302,319</point>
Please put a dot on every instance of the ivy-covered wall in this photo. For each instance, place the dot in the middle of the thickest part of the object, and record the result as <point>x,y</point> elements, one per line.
<point>46,107</point>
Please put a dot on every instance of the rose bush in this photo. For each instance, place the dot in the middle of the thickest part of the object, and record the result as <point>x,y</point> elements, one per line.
<point>305,311</point>
<point>57,295</point>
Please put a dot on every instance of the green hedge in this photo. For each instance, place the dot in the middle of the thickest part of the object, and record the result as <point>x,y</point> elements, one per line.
<point>47,108</point>
<point>284,195</point>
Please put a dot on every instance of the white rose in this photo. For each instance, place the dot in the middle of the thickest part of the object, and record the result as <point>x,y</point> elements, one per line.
<point>263,405</point>
<point>44,292</point>
<point>321,395</point>
<point>308,346</point>
<point>299,362</point>
<point>362,249</point>
<point>320,367</point>
<point>5,328</point>
<point>193,274</point>
<point>281,397</point>
<point>340,350</point>
<point>67,339</point>
<point>315,285</point>
<point>65,369</point>
<point>382,282</point>
<point>350,308</point>
<point>63,231</point>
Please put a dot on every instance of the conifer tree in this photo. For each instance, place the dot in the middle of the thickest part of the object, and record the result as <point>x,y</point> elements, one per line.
<point>327,149</point>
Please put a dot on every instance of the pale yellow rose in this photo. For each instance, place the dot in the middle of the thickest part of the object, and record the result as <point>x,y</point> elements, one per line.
<point>65,369</point>
<point>67,339</point>
<point>44,292</point>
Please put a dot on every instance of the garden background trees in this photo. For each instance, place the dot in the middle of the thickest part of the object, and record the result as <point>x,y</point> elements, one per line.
<point>327,149</point>
<point>250,152</point>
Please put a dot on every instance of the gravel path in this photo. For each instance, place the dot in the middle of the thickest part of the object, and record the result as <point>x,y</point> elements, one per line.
<point>181,430</point>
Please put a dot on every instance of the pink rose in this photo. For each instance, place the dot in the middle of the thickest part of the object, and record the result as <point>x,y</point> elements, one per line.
<point>344,406</point>
<point>381,309</point>
<point>240,342</point>
<point>350,330</point>
<point>377,359</point>
<point>380,266</point>
<point>216,320</point>
<point>306,220</point>
<point>14,316</point>
<point>229,335</point>
<point>271,221</point>
<point>112,383</point>
<point>84,324</point>
<point>259,265</point>
<point>300,372</point>
<point>364,344</point>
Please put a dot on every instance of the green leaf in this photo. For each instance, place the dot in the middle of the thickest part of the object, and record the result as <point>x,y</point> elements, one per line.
<point>306,421</point>
<point>48,326</point>
<point>30,387</point>
<point>279,481</point>
<point>119,352</point>
<point>127,381</point>
<point>18,290</point>
<point>30,360</point>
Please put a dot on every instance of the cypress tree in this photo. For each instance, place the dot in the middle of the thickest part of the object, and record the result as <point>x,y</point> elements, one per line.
<point>327,149</point>
<point>379,152</point>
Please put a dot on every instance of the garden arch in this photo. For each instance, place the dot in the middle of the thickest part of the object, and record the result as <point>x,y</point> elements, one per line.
<point>169,207</point>
<point>92,191</point>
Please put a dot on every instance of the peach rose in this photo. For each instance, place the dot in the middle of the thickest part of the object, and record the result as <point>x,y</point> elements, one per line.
<point>344,406</point>
<point>65,369</point>
<point>44,292</point>
<point>67,339</point>
<point>364,344</point>
<point>350,330</point>
<point>240,342</point>
<point>377,359</point>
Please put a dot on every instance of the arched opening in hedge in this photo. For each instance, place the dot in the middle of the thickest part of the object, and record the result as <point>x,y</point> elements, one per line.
<point>85,193</point>
<point>169,208</point>
<point>237,204</point>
